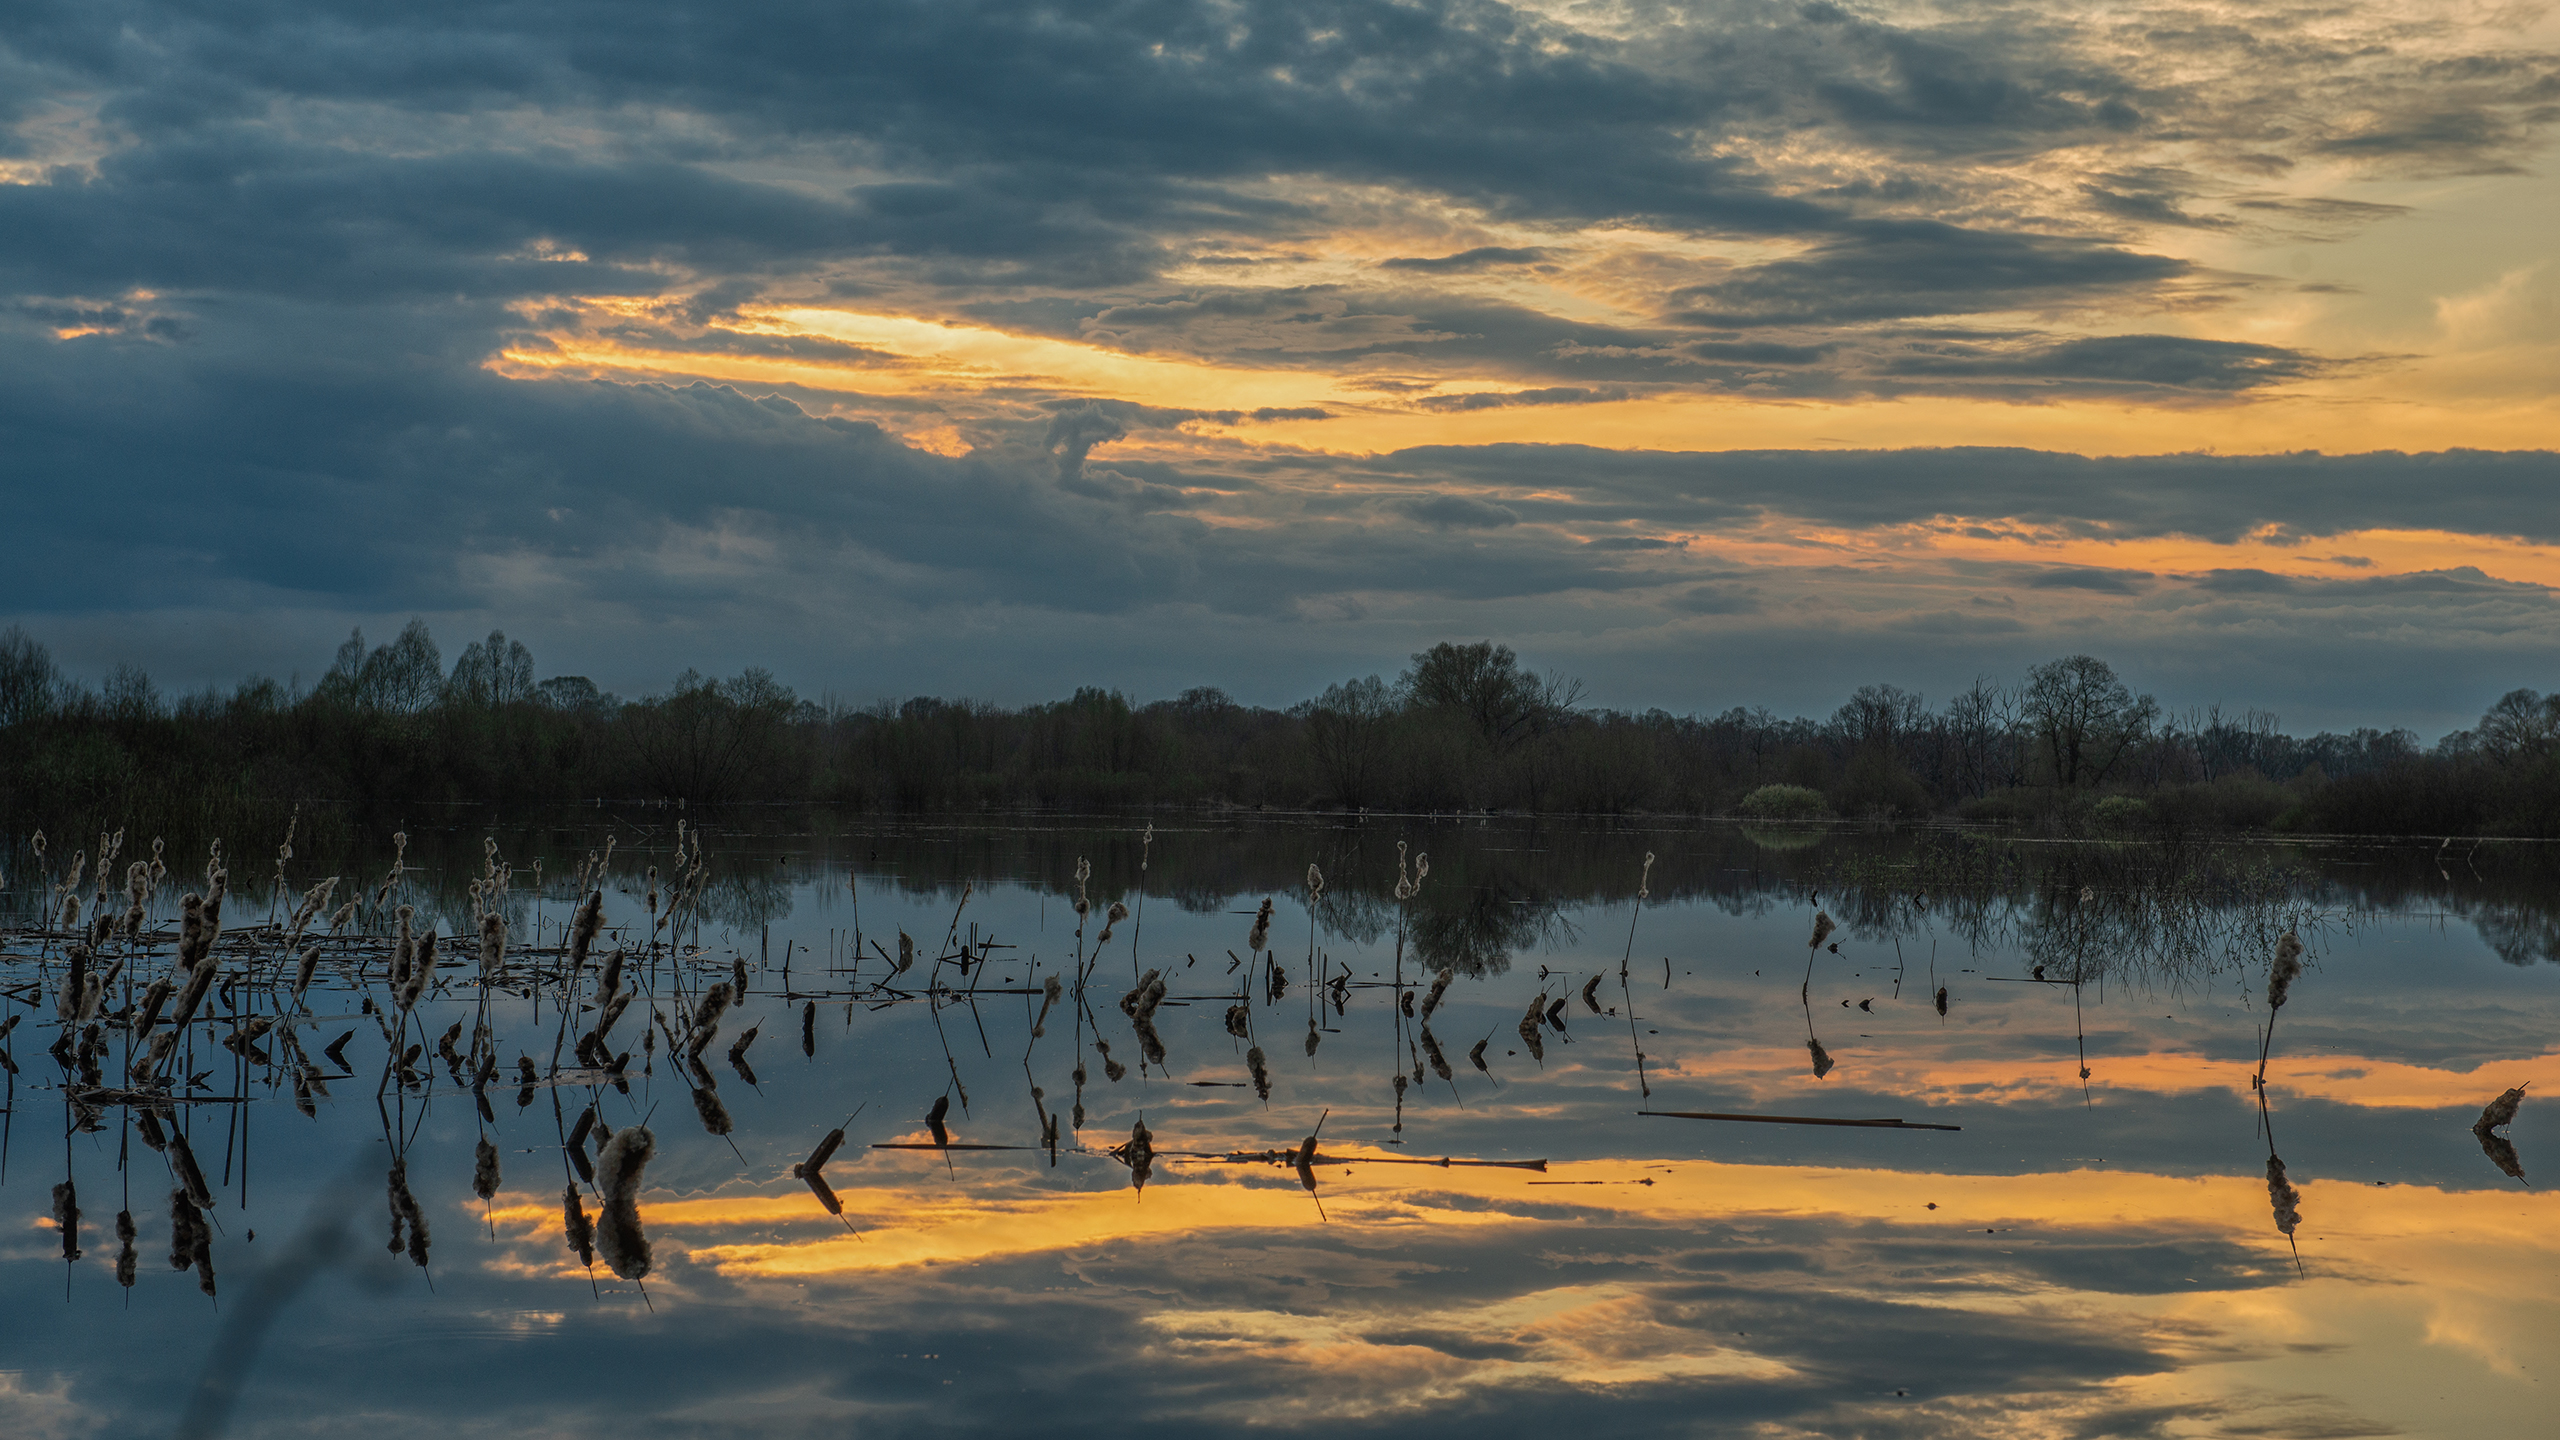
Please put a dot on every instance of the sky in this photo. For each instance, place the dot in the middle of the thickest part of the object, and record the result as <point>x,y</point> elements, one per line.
<point>1716,354</point>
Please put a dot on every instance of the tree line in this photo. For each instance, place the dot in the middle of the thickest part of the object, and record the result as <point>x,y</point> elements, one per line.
<point>1465,727</point>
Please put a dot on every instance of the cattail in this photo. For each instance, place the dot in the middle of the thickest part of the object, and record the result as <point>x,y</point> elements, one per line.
<point>66,1217</point>
<point>303,971</point>
<point>738,978</point>
<point>182,1161</point>
<point>2501,1111</point>
<point>933,1119</point>
<point>706,1017</point>
<point>1312,1039</point>
<point>422,969</point>
<point>1315,884</point>
<point>1439,988</point>
<point>619,1238</point>
<point>1141,1155</point>
<point>344,917</point>
<point>404,947</point>
<point>612,979</point>
<point>1050,991</point>
<point>575,1227</point>
<point>184,1222</point>
<point>1259,940</point>
<point>193,942</point>
<point>1431,1051</point>
<point>493,945</point>
<point>1239,1020</point>
<point>706,1104</point>
<point>1942,999</point>
<point>1111,1068</point>
<point>126,1257</point>
<point>906,952</point>
<point>405,1210</point>
<point>818,1158</point>
<point>1821,1057</point>
<point>2287,969</point>
<point>1822,928</point>
<point>484,1169</point>
<point>2281,1194</point>
<point>1591,994</point>
<point>75,980</point>
<point>137,889</point>
<point>1261,1072</point>
<point>1113,916</point>
<point>1529,1028</point>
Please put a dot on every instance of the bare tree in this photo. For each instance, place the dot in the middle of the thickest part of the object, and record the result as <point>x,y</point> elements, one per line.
<point>2084,718</point>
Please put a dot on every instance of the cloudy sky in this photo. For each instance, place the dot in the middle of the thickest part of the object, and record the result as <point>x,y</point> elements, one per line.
<point>1718,353</point>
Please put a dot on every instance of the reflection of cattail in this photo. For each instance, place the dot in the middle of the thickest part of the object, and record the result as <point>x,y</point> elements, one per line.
<point>715,1116</point>
<point>1253,1064</point>
<point>706,1016</point>
<point>1821,1057</point>
<point>2281,1194</point>
<point>1258,941</point>
<point>126,1258</point>
<point>66,1217</point>
<point>933,1119</point>
<point>184,1222</point>
<point>2287,968</point>
<point>575,1227</point>
<point>1431,1050</point>
<point>1529,1028</point>
<point>1239,1020</point>
<point>1475,1056</point>
<point>1439,988</point>
<point>2501,1111</point>
<point>1110,1067</point>
<point>1591,994</point>
<point>1822,928</point>
<point>619,1239</point>
<point>182,1161</point>
<point>819,1157</point>
<point>906,952</point>
<point>484,1169</point>
<point>1312,1038</point>
<point>404,1208</point>
<point>1942,999</point>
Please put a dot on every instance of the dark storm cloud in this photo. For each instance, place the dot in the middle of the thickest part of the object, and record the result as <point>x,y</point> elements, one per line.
<point>2105,582</point>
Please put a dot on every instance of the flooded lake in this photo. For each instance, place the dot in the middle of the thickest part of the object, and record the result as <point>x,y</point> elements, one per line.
<point>1420,1150</point>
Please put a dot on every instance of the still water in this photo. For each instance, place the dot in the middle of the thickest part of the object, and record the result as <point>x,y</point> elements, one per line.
<point>2091,1241</point>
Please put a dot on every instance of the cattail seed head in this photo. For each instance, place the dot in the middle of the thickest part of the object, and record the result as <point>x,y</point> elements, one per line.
<point>2286,969</point>
<point>484,1169</point>
<point>1821,1058</point>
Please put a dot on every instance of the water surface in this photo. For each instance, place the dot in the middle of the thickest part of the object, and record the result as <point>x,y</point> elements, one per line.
<point>2095,1250</point>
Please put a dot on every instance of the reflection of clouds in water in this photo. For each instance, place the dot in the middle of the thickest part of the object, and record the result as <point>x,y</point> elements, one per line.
<point>1788,1297</point>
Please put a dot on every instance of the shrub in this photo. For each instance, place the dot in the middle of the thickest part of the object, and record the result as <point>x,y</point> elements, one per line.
<point>1782,802</point>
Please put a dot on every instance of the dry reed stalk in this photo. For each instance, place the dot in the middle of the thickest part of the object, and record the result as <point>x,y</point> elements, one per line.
<point>484,1169</point>
<point>1529,1028</point>
<point>575,1227</point>
<point>619,1238</point>
<point>1260,1071</point>
<point>126,1256</point>
<point>66,1217</point>
<point>1821,1058</point>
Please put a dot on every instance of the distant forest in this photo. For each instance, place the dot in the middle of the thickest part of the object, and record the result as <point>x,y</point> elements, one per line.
<point>2068,748</point>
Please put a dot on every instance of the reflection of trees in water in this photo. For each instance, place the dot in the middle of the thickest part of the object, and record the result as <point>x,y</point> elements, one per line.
<point>2520,934</point>
<point>2088,911</point>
